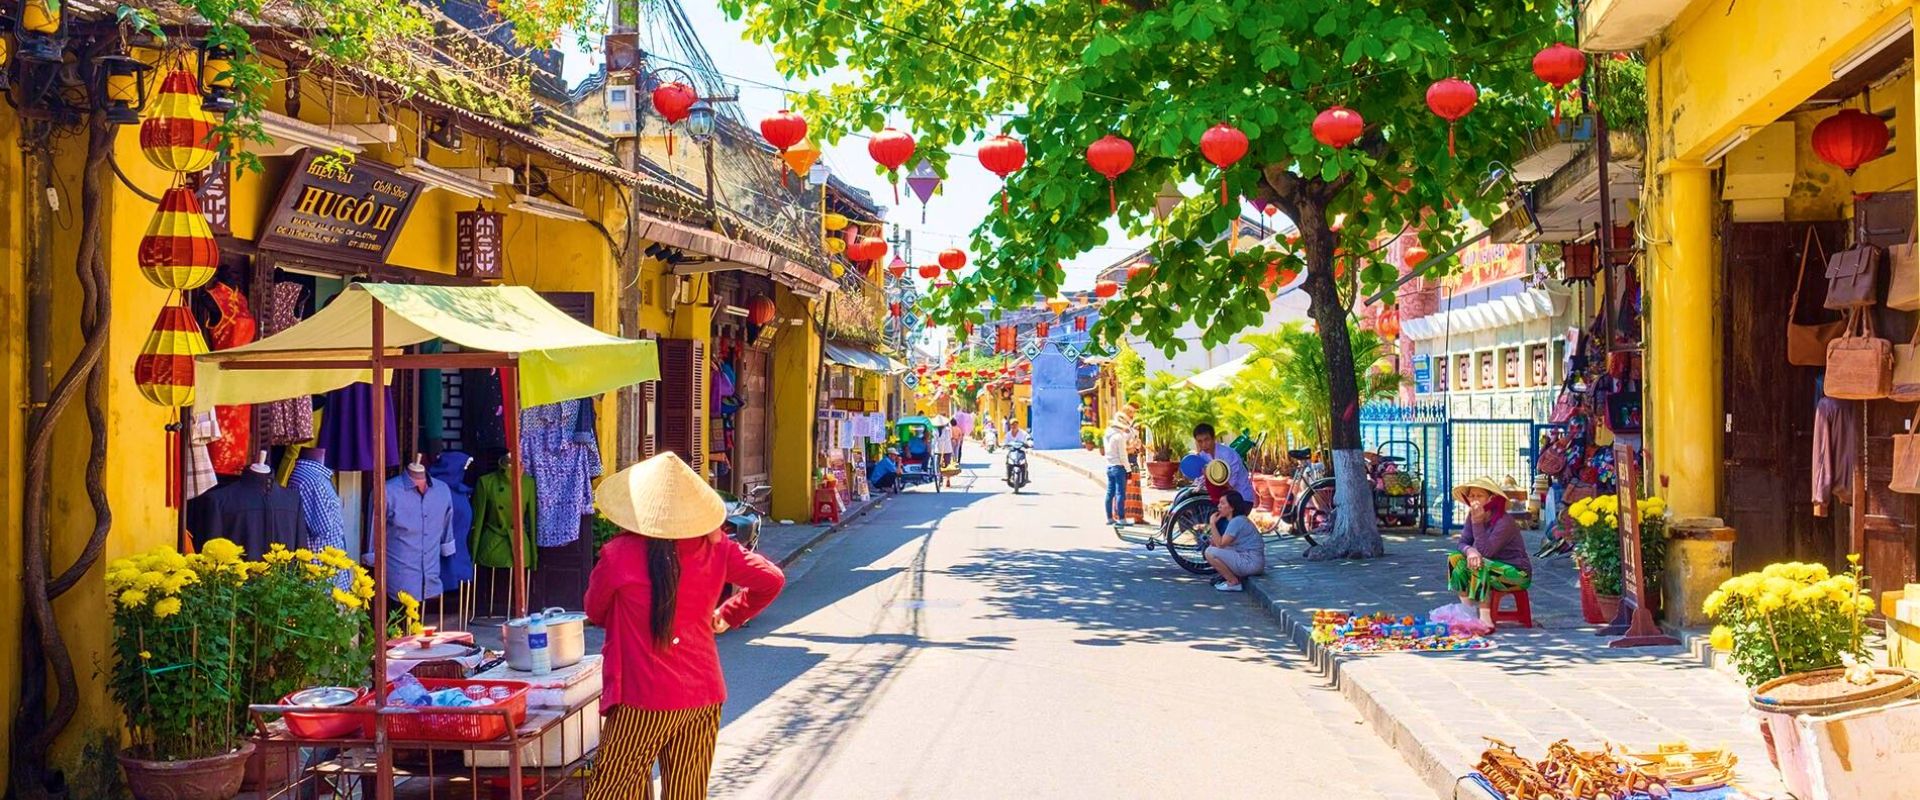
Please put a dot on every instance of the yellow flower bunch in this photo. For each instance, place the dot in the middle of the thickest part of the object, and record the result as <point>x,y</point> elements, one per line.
<point>1594,511</point>
<point>1789,617</point>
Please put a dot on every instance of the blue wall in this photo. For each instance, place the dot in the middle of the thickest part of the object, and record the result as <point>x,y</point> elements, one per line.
<point>1056,393</point>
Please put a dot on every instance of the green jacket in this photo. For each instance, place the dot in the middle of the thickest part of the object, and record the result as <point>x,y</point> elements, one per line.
<point>492,537</point>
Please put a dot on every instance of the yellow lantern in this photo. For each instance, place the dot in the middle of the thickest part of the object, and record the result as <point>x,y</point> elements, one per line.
<point>163,370</point>
<point>833,222</point>
<point>836,245</point>
<point>39,16</point>
<point>1057,304</point>
<point>178,134</point>
<point>179,251</point>
<point>838,269</point>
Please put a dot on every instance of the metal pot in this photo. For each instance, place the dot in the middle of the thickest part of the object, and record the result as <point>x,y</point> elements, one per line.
<point>566,639</point>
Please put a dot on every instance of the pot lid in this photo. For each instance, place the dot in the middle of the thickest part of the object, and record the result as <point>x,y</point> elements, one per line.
<point>323,696</point>
<point>433,651</point>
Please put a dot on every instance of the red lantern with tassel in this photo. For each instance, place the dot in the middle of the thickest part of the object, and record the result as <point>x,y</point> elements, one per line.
<point>1080,323</point>
<point>1002,155</point>
<point>1110,156</point>
<point>1338,126</point>
<point>1559,65</point>
<point>1135,269</point>
<point>1388,324</point>
<point>1450,99</point>
<point>178,252</point>
<point>898,268</point>
<point>761,310</point>
<point>784,129</point>
<point>673,101</point>
<point>890,148</point>
<point>1850,138</point>
<point>895,309</point>
<point>953,258</point>
<point>1223,145</point>
<point>1105,289</point>
<point>929,271</point>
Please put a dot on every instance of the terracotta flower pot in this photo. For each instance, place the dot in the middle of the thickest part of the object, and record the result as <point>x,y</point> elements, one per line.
<point>1589,601</point>
<point>211,778</point>
<point>1162,472</point>
<point>1609,606</point>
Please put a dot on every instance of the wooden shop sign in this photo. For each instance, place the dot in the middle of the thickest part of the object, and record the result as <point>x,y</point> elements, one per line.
<point>337,207</point>
<point>1634,624</point>
<point>477,244</point>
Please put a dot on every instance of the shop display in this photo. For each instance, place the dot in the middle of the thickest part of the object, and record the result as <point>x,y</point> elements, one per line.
<point>1852,275</point>
<point>1836,447</point>
<point>492,538</point>
<point>1903,275</point>
<point>1567,773</point>
<point>419,532</point>
<point>1807,344</point>
<point>253,511</point>
<point>345,427</point>
<point>290,420</point>
<point>562,454</point>
<point>232,324</point>
<point>1859,364</point>
<point>1345,634</point>
<point>319,502</point>
<point>450,467</point>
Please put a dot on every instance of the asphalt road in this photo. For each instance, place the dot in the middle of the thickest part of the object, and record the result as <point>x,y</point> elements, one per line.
<point>981,644</point>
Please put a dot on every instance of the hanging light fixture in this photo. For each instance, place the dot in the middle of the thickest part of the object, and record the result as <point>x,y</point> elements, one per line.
<point>216,78</point>
<point>701,121</point>
<point>123,88</point>
<point>41,31</point>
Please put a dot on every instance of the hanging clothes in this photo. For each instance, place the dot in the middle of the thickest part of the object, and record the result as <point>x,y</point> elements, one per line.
<point>564,460</point>
<point>419,534</point>
<point>451,468</point>
<point>320,507</point>
<point>253,512</point>
<point>290,420</point>
<point>1836,448</point>
<point>234,327</point>
<point>346,429</point>
<point>200,477</point>
<point>492,539</point>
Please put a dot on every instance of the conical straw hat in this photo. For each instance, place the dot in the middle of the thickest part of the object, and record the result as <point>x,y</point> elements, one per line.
<point>660,497</point>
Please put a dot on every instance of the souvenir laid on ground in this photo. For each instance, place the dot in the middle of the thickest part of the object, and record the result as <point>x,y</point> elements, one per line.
<point>1682,767</point>
<point>1341,632</point>
<point>1672,771</point>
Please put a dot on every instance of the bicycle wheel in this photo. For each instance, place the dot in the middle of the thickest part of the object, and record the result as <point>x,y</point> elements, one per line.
<point>1187,529</point>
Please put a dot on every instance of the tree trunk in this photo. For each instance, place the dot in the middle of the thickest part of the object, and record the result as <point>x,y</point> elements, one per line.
<point>1356,532</point>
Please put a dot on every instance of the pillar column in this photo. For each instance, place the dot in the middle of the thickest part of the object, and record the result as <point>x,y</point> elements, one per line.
<point>1683,412</point>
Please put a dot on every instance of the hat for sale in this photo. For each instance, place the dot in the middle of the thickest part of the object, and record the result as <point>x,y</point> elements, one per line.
<point>660,497</point>
<point>1483,483</point>
<point>1217,473</point>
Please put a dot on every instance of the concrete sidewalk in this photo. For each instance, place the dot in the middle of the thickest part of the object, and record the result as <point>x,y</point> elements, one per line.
<point>1555,681</point>
<point>1093,465</point>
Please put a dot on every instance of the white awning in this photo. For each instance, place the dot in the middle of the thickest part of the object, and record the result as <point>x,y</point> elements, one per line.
<point>1218,376</point>
<point>1531,305</point>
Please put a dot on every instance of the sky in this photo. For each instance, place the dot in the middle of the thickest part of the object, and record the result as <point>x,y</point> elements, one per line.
<point>968,194</point>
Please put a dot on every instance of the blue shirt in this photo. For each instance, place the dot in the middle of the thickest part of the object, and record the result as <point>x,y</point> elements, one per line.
<point>1237,477</point>
<point>320,507</point>
<point>882,469</point>
<point>419,533</point>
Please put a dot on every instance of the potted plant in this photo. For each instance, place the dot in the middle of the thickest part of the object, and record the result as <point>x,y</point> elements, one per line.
<point>1089,437</point>
<point>197,638</point>
<point>1597,547</point>
<point>1167,410</point>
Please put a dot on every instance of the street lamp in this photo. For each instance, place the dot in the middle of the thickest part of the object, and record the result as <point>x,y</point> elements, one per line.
<point>700,122</point>
<point>818,175</point>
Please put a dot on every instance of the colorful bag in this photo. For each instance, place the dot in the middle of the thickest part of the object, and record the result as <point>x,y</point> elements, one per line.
<point>1903,275</point>
<point>1906,371</point>
<point>1906,458</point>
<point>1564,407</point>
<point>1859,367</point>
<point>1850,277</point>
<point>1807,344</point>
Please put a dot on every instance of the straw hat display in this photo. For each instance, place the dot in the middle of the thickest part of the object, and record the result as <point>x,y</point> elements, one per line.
<point>1483,483</point>
<point>1216,473</point>
<point>660,497</point>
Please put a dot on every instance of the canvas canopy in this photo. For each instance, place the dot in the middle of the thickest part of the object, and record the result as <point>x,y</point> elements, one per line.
<point>557,358</point>
<point>1218,376</point>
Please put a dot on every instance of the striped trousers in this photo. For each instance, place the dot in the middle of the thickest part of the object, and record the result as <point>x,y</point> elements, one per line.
<point>633,738</point>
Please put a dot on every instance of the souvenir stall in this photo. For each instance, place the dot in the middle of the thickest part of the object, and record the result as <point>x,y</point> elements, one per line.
<point>739,373</point>
<point>543,358</point>
<point>849,427</point>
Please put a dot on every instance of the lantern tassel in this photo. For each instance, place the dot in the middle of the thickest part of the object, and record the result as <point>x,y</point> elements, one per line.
<point>1555,94</point>
<point>174,483</point>
<point>1113,201</point>
<point>1004,211</point>
<point>894,177</point>
<point>1223,189</point>
<point>1450,153</point>
<point>669,142</point>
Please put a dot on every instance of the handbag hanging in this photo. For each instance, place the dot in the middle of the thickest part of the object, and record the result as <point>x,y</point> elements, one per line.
<point>1906,371</point>
<point>1903,275</point>
<point>1850,277</point>
<point>1906,459</point>
<point>1859,367</point>
<point>1807,344</point>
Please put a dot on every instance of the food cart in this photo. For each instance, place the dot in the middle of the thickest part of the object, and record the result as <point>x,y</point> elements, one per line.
<point>543,356</point>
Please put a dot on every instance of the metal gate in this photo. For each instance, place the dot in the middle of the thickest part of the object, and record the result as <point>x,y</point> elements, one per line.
<point>1455,450</point>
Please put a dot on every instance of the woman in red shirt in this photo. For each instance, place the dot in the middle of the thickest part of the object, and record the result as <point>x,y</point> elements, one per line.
<point>655,591</point>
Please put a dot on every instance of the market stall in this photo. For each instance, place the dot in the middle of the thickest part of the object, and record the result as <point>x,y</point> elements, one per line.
<point>541,355</point>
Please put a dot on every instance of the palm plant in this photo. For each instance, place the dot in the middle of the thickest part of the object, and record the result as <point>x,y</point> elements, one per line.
<point>1168,408</point>
<point>1284,387</point>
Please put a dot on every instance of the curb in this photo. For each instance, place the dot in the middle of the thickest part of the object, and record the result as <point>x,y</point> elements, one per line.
<point>1070,466</point>
<point>829,530</point>
<point>1425,763</point>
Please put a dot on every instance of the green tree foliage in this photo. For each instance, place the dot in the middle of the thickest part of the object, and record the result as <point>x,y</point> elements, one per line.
<point>1283,391</point>
<point>1061,74</point>
<point>1130,370</point>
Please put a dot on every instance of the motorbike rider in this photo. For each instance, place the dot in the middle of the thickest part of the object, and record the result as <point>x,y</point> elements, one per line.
<point>1017,442</point>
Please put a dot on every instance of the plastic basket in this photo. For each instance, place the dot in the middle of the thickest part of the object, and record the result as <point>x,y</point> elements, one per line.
<point>325,724</point>
<point>429,726</point>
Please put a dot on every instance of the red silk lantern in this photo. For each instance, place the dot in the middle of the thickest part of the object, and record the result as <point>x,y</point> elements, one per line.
<point>784,129</point>
<point>1270,210</point>
<point>895,309</point>
<point>1559,65</point>
<point>1850,138</point>
<point>1223,145</point>
<point>1079,323</point>
<point>1450,99</point>
<point>966,329</point>
<point>1276,277</point>
<point>1135,269</point>
<point>1041,329</point>
<point>953,258</point>
<point>163,370</point>
<point>178,252</point>
<point>898,268</point>
<point>867,248</point>
<point>673,101</point>
<point>929,271</point>
<point>1105,288</point>
<point>1110,156</point>
<point>1388,324</point>
<point>1338,126</point>
<point>1414,256</point>
<point>890,148</point>
<point>177,135</point>
<point>1002,155</point>
<point>760,310</point>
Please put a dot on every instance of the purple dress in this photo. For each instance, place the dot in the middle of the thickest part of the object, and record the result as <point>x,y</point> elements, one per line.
<point>346,429</point>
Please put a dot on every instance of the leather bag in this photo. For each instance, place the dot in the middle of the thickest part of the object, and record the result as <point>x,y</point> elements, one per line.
<point>1906,371</point>
<point>1906,459</point>
<point>1807,344</point>
<point>1859,367</point>
<point>1903,275</point>
<point>1850,277</point>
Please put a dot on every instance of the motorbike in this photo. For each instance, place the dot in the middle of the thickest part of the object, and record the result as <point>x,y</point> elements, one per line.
<point>745,515</point>
<point>1017,466</point>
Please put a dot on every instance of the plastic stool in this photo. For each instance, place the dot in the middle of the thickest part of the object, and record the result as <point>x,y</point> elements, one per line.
<point>826,505</point>
<point>1522,608</point>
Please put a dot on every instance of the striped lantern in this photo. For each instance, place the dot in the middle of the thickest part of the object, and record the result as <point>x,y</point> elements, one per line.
<point>163,372</point>
<point>177,135</point>
<point>179,251</point>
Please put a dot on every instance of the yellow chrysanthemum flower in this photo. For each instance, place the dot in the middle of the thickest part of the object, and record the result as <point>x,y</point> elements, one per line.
<point>1716,600</point>
<point>1589,518</point>
<point>1721,638</point>
<point>167,607</point>
<point>222,551</point>
<point>1863,605</point>
<point>408,601</point>
<point>133,598</point>
<point>345,599</point>
<point>1853,558</point>
<point>1770,602</point>
<point>146,655</point>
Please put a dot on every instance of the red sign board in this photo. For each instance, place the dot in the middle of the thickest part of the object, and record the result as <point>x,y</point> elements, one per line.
<point>1485,263</point>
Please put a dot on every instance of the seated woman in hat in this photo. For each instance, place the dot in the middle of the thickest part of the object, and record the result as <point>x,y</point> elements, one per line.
<point>656,590</point>
<point>1493,554</point>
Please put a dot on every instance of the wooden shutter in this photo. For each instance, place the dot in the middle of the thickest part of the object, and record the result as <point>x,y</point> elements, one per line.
<point>649,429</point>
<point>682,389</point>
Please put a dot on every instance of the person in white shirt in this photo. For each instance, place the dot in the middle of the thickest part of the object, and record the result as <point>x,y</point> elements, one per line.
<point>1114,444</point>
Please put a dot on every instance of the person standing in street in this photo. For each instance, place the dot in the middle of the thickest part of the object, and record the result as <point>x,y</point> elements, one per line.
<point>656,590</point>
<point>1114,445</point>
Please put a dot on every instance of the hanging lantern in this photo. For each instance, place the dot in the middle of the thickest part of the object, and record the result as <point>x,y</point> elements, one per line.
<point>1850,138</point>
<point>177,135</point>
<point>1338,126</point>
<point>179,251</point>
<point>923,181</point>
<point>1223,145</point>
<point>836,245</point>
<point>760,310</point>
<point>1278,278</point>
<point>833,222</point>
<point>1136,268</point>
<point>1041,329</point>
<point>673,101</point>
<point>929,271</point>
<point>163,371</point>
<point>866,248</point>
<point>1080,323</point>
<point>1414,256</point>
<point>891,148</point>
<point>1002,155</point>
<point>1388,324</point>
<point>784,129</point>
<point>1104,289</point>
<point>1166,200</point>
<point>1559,65</point>
<point>953,258</point>
<point>898,269</point>
<point>1450,99</point>
<point>1110,156</point>
<point>1269,210</point>
<point>799,159</point>
<point>1057,304</point>
<point>895,309</point>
